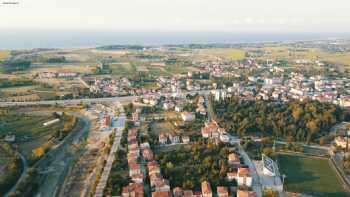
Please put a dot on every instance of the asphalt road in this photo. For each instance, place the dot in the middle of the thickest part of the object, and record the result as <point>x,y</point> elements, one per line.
<point>119,124</point>
<point>95,100</point>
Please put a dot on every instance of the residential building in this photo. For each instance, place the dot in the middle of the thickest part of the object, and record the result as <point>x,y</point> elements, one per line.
<point>161,194</point>
<point>242,177</point>
<point>187,116</point>
<point>242,193</point>
<point>222,191</point>
<point>233,159</point>
<point>178,192</point>
<point>134,169</point>
<point>163,139</point>
<point>341,141</point>
<point>185,139</point>
<point>174,138</point>
<point>133,190</point>
<point>206,189</point>
<point>188,193</point>
<point>147,154</point>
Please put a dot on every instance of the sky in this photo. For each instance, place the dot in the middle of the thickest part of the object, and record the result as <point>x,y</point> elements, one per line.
<point>258,16</point>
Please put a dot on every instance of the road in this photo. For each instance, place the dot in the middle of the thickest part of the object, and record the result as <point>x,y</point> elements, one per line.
<point>119,125</point>
<point>206,99</point>
<point>96,100</point>
<point>83,82</point>
<point>256,180</point>
<point>326,148</point>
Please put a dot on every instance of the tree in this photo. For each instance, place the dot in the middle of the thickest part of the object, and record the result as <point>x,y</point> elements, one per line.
<point>188,184</point>
<point>267,151</point>
<point>270,193</point>
<point>301,120</point>
<point>169,165</point>
<point>38,152</point>
<point>296,113</point>
<point>322,140</point>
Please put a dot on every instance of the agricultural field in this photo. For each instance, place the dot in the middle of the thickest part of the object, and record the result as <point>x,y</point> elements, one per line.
<point>31,93</point>
<point>16,93</point>
<point>29,130</point>
<point>158,127</point>
<point>225,53</point>
<point>6,155</point>
<point>309,175</point>
<point>9,167</point>
<point>123,69</point>
<point>178,69</point>
<point>85,68</point>
<point>168,115</point>
<point>4,54</point>
<point>157,71</point>
<point>113,53</point>
<point>312,54</point>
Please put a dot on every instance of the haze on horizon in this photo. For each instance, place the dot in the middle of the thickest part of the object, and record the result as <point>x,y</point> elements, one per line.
<point>258,16</point>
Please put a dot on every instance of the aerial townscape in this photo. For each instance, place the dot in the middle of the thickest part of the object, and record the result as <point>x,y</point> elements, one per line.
<point>267,119</point>
<point>185,98</point>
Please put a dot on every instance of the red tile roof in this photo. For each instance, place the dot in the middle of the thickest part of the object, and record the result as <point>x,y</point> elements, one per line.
<point>161,194</point>
<point>206,188</point>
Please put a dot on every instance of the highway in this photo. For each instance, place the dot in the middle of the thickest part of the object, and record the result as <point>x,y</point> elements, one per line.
<point>95,100</point>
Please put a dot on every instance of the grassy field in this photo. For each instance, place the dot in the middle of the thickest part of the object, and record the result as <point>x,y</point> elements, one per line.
<point>4,54</point>
<point>168,115</point>
<point>4,158</point>
<point>284,52</point>
<point>9,167</point>
<point>176,69</point>
<point>154,71</point>
<point>226,53</point>
<point>29,130</point>
<point>312,176</point>
<point>159,127</point>
<point>149,85</point>
<point>11,93</point>
<point>28,93</point>
<point>86,68</point>
<point>123,69</point>
<point>112,53</point>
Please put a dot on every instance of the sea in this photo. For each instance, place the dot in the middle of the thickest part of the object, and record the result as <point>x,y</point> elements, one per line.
<point>24,39</point>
